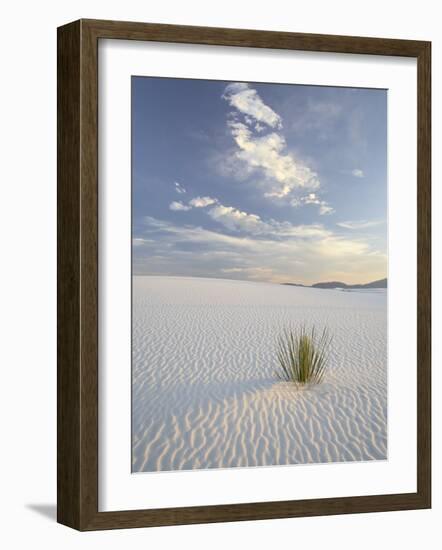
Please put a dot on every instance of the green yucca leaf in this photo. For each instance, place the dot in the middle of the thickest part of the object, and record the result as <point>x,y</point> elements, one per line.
<point>302,357</point>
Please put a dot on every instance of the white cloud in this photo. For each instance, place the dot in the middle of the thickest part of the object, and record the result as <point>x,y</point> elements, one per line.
<point>179,188</point>
<point>197,202</point>
<point>312,198</point>
<point>265,155</point>
<point>363,224</point>
<point>178,206</point>
<point>202,202</point>
<point>137,241</point>
<point>325,208</point>
<point>283,173</point>
<point>357,173</point>
<point>248,102</point>
<point>237,220</point>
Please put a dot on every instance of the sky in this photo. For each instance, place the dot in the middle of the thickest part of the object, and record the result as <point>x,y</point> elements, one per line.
<point>257,181</point>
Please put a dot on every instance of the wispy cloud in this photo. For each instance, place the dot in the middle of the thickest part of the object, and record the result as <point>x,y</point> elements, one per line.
<point>237,220</point>
<point>312,198</point>
<point>357,173</point>
<point>317,118</point>
<point>140,242</point>
<point>362,224</point>
<point>178,206</point>
<point>191,233</point>
<point>259,250</point>
<point>179,188</point>
<point>325,208</point>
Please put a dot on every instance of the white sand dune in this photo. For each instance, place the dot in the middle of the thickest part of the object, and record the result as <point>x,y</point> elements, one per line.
<point>205,394</point>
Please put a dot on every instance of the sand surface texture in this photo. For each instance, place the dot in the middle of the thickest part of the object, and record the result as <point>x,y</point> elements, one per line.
<point>204,389</point>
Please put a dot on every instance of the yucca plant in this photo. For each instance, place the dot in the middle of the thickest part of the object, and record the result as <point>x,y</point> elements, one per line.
<point>302,355</point>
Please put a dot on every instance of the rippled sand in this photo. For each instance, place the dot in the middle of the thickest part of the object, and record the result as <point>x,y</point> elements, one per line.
<point>203,385</point>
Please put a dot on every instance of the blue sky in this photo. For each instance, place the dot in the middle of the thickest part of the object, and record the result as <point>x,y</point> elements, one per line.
<point>265,182</point>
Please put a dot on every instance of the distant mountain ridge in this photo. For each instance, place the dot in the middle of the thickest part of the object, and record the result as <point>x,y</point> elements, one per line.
<point>381,283</point>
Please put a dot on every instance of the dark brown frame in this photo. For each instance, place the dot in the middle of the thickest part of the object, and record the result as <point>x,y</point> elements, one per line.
<point>77,223</point>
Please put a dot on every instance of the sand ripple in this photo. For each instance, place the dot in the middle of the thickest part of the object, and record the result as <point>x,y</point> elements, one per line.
<point>204,390</point>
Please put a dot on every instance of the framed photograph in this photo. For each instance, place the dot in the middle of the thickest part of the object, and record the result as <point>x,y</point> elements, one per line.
<point>243,275</point>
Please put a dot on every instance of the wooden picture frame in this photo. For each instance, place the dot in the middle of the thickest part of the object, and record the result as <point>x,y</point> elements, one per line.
<point>77,461</point>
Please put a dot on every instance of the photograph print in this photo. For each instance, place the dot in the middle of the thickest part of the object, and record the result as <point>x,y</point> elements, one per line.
<point>259,274</point>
